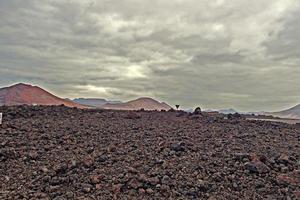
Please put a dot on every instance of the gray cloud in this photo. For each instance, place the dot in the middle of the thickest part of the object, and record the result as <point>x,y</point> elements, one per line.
<point>213,53</point>
<point>217,58</point>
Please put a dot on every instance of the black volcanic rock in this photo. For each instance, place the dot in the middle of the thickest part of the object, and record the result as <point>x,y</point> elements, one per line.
<point>257,167</point>
<point>197,111</point>
<point>177,147</point>
<point>49,152</point>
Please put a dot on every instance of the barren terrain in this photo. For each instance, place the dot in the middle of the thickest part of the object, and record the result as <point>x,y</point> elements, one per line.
<point>24,94</point>
<point>68,153</point>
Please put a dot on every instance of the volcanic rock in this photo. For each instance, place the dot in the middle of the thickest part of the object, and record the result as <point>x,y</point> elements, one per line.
<point>86,188</point>
<point>197,111</point>
<point>292,178</point>
<point>95,154</point>
<point>177,147</point>
<point>257,167</point>
<point>95,179</point>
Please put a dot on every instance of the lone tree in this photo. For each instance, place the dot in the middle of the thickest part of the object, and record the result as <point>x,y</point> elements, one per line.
<point>177,106</point>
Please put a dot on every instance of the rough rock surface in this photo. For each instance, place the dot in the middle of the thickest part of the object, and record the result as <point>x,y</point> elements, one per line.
<point>68,153</point>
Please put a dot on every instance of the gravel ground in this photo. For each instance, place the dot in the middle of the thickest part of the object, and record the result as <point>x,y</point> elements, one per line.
<point>68,153</point>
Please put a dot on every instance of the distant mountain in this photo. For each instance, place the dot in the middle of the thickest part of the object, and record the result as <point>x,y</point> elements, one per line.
<point>94,102</point>
<point>292,113</point>
<point>223,111</point>
<point>233,111</point>
<point>21,94</point>
<point>228,111</point>
<point>144,102</point>
<point>189,110</point>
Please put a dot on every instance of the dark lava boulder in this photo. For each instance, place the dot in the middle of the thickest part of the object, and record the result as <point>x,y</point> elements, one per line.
<point>257,167</point>
<point>197,111</point>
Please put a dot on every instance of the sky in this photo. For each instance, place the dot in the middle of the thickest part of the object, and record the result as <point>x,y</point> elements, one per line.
<point>211,53</point>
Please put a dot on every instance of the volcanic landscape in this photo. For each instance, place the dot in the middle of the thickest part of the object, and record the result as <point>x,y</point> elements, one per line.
<point>55,152</point>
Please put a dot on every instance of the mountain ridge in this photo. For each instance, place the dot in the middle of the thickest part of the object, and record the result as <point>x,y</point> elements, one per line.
<point>26,94</point>
<point>145,103</point>
<point>292,113</point>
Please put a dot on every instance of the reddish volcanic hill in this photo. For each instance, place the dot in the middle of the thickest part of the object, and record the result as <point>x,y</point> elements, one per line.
<point>20,94</point>
<point>144,102</point>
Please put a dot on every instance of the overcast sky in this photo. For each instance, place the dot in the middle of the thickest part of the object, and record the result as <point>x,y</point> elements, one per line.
<point>213,53</point>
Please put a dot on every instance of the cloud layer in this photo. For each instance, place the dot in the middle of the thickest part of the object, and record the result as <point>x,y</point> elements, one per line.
<point>213,53</point>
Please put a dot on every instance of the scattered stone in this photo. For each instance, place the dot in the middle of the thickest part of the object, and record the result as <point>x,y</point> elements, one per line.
<point>102,158</point>
<point>263,159</point>
<point>241,156</point>
<point>40,195</point>
<point>61,168</point>
<point>72,164</point>
<point>33,155</point>
<point>86,188</point>
<point>59,152</point>
<point>203,186</point>
<point>57,181</point>
<point>95,179</point>
<point>292,178</point>
<point>165,188</point>
<point>133,115</point>
<point>70,195</point>
<point>284,159</point>
<point>257,167</point>
<point>254,158</point>
<point>117,188</point>
<point>132,170</point>
<point>297,194</point>
<point>8,153</point>
<point>142,178</point>
<point>90,150</point>
<point>142,191</point>
<point>235,185</point>
<point>135,183</point>
<point>149,191</point>
<point>88,162</point>
<point>177,147</point>
<point>44,170</point>
<point>284,169</point>
<point>7,178</point>
<point>46,179</point>
<point>153,180</point>
<point>166,180</point>
<point>59,198</point>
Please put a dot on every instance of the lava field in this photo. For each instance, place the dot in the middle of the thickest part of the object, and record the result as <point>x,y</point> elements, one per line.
<point>60,153</point>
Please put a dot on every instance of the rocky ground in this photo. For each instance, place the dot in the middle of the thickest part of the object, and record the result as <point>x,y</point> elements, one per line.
<point>65,153</point>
